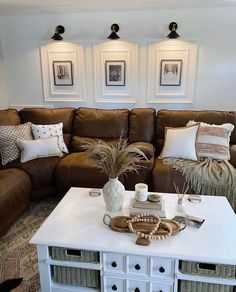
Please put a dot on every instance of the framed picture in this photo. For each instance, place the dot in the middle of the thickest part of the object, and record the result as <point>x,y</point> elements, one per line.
<point>170,74</point>
<point>115,73</point>
<point>62,73</point>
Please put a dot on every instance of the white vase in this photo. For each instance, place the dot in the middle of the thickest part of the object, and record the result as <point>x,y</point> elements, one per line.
<point>113,194</point>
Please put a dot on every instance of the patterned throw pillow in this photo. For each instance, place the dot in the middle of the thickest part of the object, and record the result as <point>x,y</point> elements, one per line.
<point>46,147</point>
<point>213,140</point>
<point>46,131</point>
<point>8,140</point>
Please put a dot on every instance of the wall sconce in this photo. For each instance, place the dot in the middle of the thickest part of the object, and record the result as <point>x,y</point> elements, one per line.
<point>173,34</point>
<point>58,31</point>
<point>114,29</point>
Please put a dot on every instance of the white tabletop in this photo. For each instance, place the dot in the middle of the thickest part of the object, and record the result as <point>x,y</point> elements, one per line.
<point>77,222</point>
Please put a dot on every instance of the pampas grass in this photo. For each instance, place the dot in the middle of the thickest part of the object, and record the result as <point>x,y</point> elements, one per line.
<point>113,159</point>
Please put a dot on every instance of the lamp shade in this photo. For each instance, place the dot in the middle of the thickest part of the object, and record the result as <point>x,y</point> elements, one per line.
<point>114,29</point>
<point>173,34</point>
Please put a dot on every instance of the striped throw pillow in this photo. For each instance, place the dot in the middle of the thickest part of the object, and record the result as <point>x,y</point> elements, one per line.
<point>213,140</point>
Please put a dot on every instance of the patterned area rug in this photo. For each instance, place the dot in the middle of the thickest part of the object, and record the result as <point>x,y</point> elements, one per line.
<point>18,258</point>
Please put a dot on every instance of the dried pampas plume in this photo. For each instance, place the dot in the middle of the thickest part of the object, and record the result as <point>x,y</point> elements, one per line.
<point>113,159</point>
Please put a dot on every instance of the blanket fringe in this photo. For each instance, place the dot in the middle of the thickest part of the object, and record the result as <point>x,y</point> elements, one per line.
<point>208,176</point>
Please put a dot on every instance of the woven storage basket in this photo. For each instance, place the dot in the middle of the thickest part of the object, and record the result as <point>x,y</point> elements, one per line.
<point>58,253</point>
<point>76,276</point>
<point>208,270</point>
<point>190,286</point>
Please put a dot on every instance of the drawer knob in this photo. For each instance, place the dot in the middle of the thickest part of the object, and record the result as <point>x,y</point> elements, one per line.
<point>160,290</point>
<point>137,290</point>
<point>137,267</point>
<point>114,288</point>
<point>114,264</point>
<point>161,270</point>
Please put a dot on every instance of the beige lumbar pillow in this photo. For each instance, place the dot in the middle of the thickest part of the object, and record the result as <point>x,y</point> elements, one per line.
<point>39,148</point>
<point>213,140</point>
<point>180,143</point>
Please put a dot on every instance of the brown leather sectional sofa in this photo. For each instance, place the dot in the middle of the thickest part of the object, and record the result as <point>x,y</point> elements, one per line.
<point>143,127</point>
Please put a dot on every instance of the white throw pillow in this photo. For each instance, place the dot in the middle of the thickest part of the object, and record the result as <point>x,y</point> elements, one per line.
<point>45,147</point>
<point>213,140</point>
<point>46,131</point>
<point>180,143</point>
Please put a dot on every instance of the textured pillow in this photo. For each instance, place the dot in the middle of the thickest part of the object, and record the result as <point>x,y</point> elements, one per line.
<point>39,148</point>
<point>213,140</point>
<point>8,144</point>
<point>46,131</point>
<point>180,143</point>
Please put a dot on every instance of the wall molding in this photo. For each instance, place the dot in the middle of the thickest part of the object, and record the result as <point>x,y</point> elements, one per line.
<point>116,50</point>
<point>63,52</point>
<point>172,49</point>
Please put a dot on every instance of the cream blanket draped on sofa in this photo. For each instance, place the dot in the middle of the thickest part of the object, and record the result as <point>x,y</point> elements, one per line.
<point>208,176</point>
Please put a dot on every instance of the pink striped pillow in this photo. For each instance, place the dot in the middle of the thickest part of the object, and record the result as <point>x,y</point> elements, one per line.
<point>213,140</point>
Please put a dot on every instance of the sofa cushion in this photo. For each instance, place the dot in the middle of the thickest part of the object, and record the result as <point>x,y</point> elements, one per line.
<point>8,141</point>
<point>75,170</point>
<point>15,190</point>
<point>213,140</point>
<point>46,131</point>
<point>46,116</point>
<point>105,124</point>
<point>9,117</point>
<point>164,177</point>
<point>180,143</point>
<point>142,125</point>
<point>39,148</point>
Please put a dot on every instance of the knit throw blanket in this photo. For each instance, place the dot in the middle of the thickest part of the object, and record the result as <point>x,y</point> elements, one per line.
<point>208,176</point>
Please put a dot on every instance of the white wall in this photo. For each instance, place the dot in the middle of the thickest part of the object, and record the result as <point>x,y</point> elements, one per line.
<point>3,92</point>
<point>212,28</point>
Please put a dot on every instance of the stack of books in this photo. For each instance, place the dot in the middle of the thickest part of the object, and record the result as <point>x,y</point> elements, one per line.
<point>147,207</point>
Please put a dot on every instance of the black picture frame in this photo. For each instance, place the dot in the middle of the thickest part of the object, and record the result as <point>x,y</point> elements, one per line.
<point>115,73</point>
<point>170,72</point>
<point>62,73</point>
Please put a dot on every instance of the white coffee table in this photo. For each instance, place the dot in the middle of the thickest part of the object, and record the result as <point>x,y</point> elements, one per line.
<point>77,223</point>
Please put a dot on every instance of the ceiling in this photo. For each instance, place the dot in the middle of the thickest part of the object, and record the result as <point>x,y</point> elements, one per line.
<point>13,7</point>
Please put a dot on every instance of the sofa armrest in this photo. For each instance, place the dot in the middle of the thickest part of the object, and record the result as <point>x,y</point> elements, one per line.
<point>147,148</point>
<point>232,150</point>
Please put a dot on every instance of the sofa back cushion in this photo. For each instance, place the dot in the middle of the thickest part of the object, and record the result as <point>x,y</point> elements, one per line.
<point>105,124</point>
<point>45,116</point>
<point>9,117</point>
<point>179,118</point>
<point>142,125</point>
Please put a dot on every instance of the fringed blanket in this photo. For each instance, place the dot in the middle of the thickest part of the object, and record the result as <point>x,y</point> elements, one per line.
<point>208,176</point>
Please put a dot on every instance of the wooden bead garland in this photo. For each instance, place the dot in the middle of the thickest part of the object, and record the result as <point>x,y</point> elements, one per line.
<point>149,219</point>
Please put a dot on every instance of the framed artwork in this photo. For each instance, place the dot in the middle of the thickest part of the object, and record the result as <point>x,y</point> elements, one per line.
<point>115,73</point>
<point>170,74</point>
<point>62,73</point>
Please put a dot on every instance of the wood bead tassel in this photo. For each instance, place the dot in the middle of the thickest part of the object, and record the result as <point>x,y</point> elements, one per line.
<point>143,238</point>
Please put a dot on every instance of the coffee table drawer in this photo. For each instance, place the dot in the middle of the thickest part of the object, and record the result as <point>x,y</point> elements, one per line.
<point>162,287</point>
<point>114,262</point>
<point>138,265</point>
<point>112,284</point>
<point>162,267</point>
<point>137,286</point>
